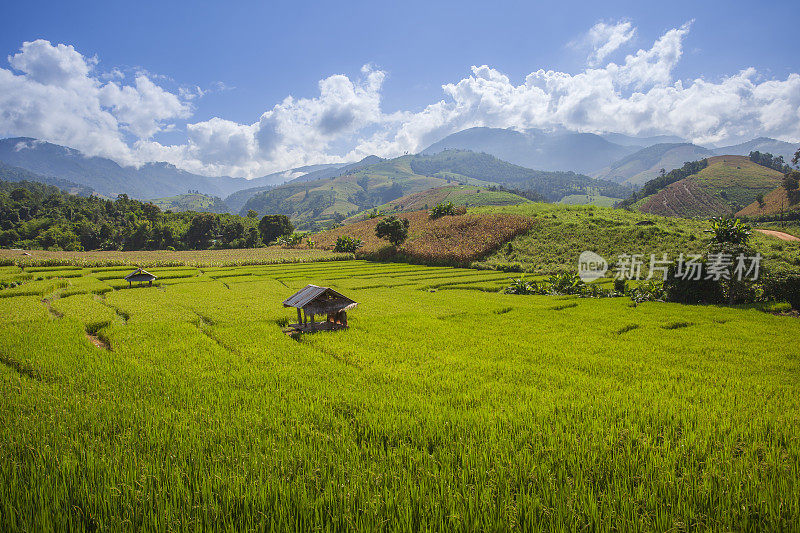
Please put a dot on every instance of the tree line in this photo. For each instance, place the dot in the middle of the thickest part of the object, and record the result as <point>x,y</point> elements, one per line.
<point>39,216</point>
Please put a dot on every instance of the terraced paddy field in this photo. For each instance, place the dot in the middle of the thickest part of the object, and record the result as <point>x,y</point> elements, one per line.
<point>445,406</point>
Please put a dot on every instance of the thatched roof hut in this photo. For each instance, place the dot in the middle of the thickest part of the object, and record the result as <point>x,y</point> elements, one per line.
<point>313,300</point>
<point>141,276</point>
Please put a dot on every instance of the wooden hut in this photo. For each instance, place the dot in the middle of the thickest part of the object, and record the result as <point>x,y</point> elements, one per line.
<point>141,276</point>
<point>313,300</point>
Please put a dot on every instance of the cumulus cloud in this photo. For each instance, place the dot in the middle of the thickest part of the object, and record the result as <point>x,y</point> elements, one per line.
<point>636,96</point>
<point>295,132</point>
<point>55,93</point>
<point>605,39</point>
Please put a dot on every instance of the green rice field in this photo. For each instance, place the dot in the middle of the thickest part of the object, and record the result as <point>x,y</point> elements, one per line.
<point>446,406</point>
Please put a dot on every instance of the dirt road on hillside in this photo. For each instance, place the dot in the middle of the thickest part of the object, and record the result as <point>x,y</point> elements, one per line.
<point>778,234</point>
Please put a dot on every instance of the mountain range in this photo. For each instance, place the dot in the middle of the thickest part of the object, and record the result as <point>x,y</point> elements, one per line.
<point>368,186</point>
<point>108,178</point>
<point>569,160</point>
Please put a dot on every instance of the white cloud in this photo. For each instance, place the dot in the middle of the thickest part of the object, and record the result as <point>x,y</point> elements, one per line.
<point>605,39</point>
<point>295,132</point>
<point>56,95</point>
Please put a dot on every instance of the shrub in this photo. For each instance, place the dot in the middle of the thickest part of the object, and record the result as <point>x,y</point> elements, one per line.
<point>393,229</point>
<point>523,286</point>
<point>442,210</point>
<point>509,267</point>
<point>783,286</point>
<point>619,286</point>
<point>291,240</point>
<point>347,244</point>
<point>652,291</point>
<point>727,230</point>
<point>566,283</point>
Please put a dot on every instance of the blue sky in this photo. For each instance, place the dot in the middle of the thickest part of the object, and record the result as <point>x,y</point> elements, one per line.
<point>392,60</point>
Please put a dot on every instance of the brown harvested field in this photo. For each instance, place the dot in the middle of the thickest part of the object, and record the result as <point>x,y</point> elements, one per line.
<point>775,202</point>
<point>454,240</point>
<point>153,258</point>
<point>685,198</point>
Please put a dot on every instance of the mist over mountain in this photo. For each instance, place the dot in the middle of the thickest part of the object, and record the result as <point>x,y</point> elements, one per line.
<point>628,140</point>
<point>108,178</point>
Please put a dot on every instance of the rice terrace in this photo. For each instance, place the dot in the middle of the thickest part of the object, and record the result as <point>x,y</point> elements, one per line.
<point>399,266</point>
<point>443,405</point>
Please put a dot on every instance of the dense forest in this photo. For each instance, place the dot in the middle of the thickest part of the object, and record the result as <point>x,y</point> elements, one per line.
<point>36,215</point>
<point>770,161</point>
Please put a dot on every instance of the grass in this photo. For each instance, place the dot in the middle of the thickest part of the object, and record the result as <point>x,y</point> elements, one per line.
<point>449,410</point>
<point>589,199</point>
<point>560,233</point>
<point>459,195</point>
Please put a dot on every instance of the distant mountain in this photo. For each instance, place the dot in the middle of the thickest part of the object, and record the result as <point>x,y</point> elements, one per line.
<point>722,188</point>
<point>645,164</point>
<point>16,174</point>
<point>578,152</point>
<point>374,185</point>
<point>761,144</point>
<point>338,170</point>
<point>202,203</point>
<point>237,200</point>
<point>107,178</point>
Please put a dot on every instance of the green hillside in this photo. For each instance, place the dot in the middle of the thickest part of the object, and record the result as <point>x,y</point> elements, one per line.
<point>336,197</point>
<point>726,185</point>
<point>589,199</point>
<point>191,202</point>
<point>459,195</point>
<point>559,233</point>
<point>646,164</point>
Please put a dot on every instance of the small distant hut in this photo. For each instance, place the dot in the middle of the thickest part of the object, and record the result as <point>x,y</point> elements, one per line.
<point>313,300</point>
<point>140,276</point>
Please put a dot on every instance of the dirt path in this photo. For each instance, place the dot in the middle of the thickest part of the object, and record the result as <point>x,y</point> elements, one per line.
<point>97,341</point>
<point>778,234</point>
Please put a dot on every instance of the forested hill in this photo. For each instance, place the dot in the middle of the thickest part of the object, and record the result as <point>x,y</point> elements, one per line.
<point>36,215</point>
<point>10,173</point>
<point>312,202</point>
<point>479,166</point>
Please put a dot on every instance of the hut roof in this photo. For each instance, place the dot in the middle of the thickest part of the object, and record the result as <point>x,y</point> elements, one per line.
<point>140,275</point>
<point>321,299</point>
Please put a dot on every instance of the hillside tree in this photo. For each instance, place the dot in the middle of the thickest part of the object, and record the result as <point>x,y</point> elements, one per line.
<point>393,229</point>
<point>274,226</point>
